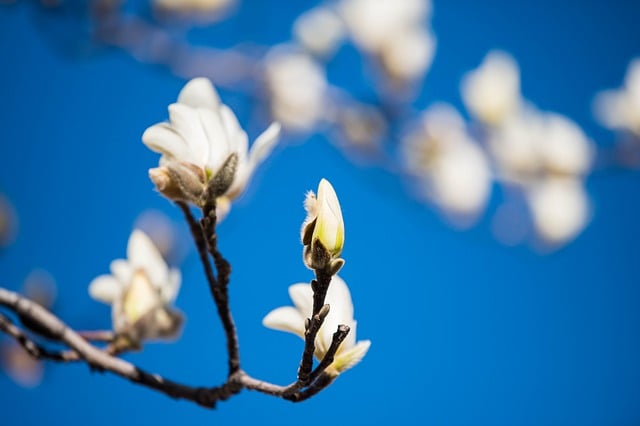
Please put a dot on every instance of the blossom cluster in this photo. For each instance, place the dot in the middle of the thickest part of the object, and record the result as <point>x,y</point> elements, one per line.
<point>205,159</point>
<point>541,158</point>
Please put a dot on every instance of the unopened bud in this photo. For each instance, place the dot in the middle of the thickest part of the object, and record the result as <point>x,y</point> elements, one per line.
<point>179,181</point>
<point>222,180</point>
<point>323,230</point>
<point>329,227</point>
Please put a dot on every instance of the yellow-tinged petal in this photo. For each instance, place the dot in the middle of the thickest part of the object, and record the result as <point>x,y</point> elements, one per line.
<point>140,297</point>
<point>329,229</point>
<point>344,360</point>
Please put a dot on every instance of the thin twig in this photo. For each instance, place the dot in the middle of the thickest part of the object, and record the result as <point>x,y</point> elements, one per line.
<point>31,347</point>
<point>320,286</point>
<point>201,244</point>
<point>220,289</point>
<point>101,361</point>
<point>321,383</point>
<point>338,337</point>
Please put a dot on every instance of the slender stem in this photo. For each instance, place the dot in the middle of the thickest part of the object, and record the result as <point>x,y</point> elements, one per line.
<point>201,244</point>
<point>321,383</point>
<point>320,286</point>
<point>35,350</point>
<point>205,238</point>
<point>101,360</point>
<point>220,289</point>
<point>338,337</point>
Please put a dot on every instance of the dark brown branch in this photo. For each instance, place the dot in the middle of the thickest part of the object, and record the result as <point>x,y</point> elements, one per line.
<point>101,360</point>
<point>320,286</point>
<point>338,337</point>
<point>321,383</point>
<point>201,244</point>
<point>31,347</point>
<point>220,288</point>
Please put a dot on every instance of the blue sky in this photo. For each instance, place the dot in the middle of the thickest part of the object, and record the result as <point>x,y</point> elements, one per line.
<point>464,330</point>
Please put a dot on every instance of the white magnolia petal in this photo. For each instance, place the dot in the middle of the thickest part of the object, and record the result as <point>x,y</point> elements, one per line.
<point>285,318</point>
<point>121,270</point>
<point>560,208</point>
<point>263,145</point>
<point>163,139</point>
<point>329,228</point>
<point>187,123</point>
<point>105,288</point>
<point>302,297</point>
<point>609,108</point>
<point>219,147</point>
<point>350,340</point>
<point>170,289</point>
<point>341,312</point>
<point>347,359</point>
<point>237,137</point>
<point>140,297</point>
<point>199,93</point>
<point>491,92</point>
<point>340,296</point>
<point>260,149</point>
<point>143,254</point>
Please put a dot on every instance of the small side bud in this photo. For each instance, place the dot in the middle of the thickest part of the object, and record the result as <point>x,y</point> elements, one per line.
<point>336,265</point>
<point>221,182</point>
<point>324,311</point>
<point>178,181</point>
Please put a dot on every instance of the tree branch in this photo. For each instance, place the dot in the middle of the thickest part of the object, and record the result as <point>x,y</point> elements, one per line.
<point>35,350</point>
<point>220,289</point>
<point>205,238</point>
<point>320,286</point>
<point>98,359</point>
<point>101,360</point>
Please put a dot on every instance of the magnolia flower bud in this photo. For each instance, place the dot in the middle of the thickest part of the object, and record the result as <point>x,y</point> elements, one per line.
<point>323,230</point>
<point>329,227</point>
<point>178,181</point>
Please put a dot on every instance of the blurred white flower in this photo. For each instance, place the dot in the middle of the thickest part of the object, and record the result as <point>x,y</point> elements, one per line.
<point>560,209</point>
<point>197,146</point>
<point>324,219</point>
<point>319,30</point>
<point>21,367</point>
<point>373,22</point>
<point>409,54</point>
<point>298,86</point>
<point>532,144</point>
<point>620,109</point>
<point>204,11</point>
<point>451,168</point>
<point>514,146</point>
<point>394,31</point>
<point>140,290</point>
<point>292,319</point>
<point>166,235</point>
<point>491,92</point>
<point>565,149</point>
